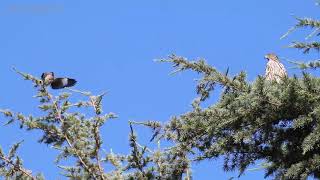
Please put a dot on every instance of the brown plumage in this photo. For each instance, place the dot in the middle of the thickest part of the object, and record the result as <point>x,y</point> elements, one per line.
<point>275,71</point>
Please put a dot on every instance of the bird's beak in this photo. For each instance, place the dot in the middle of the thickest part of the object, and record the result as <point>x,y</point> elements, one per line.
<point>266,57</point>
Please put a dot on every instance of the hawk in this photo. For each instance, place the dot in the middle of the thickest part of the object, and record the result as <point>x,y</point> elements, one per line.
<point>56,83</point>
<point>275,71</point>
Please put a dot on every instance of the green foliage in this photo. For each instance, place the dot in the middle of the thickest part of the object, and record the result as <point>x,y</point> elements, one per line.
<point>277,123</point>
<point>306,46</point>
<point>77,136</point>
<point>309,65</point>
<point>274,122</point>
<point>305,23</point>
<point>11,166</point>
<point>210,78</point>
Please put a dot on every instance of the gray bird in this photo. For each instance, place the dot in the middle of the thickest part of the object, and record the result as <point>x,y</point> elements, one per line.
<point>57,83</point>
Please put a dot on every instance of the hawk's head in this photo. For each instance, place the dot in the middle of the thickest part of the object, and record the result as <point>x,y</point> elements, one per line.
<point>271,57</point>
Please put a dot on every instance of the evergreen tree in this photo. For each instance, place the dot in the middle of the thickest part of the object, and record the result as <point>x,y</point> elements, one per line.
<point>278,123</point>
<point>77,136</point>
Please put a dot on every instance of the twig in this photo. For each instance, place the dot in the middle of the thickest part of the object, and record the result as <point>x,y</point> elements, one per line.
<point>136,151</point>
<point>96,135</point>
<point>144,147</point>
<point>98,145</point>
<point>24,171</point>
<point>312,33</point>
<point>68,140</point>
<point>138,123</point>
<point>78,91</point>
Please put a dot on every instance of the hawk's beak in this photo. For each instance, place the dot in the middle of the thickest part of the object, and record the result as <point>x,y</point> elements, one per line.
<point>266,57</point>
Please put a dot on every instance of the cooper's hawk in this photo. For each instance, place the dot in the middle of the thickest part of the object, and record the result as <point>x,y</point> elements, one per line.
<point>57,83</point>
<point>275,71</point>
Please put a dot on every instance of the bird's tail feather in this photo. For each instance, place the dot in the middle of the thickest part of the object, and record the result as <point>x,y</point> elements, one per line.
<point>71,82</point>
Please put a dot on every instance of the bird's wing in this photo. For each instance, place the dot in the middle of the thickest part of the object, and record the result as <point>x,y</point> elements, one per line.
<point>70,82</point>
<point>283,69</point>
<point>57,83</point>
<point>60,83</point>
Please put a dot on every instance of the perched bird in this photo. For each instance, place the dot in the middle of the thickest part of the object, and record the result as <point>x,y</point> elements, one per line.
<point>275,71</point>
<point>57,83</point>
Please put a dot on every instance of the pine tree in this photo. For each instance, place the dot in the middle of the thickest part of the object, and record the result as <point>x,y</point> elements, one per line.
<point>278,123</point>
<point>77,136</point>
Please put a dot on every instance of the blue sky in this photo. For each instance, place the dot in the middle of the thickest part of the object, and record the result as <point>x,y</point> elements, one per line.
<point>111,45</point>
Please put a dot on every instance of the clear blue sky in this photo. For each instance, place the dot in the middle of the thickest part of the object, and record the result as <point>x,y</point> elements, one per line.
<point>111,45</point>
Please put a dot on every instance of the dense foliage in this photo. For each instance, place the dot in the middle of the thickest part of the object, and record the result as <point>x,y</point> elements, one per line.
<point>77,136</point>
<point>277,123</point>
